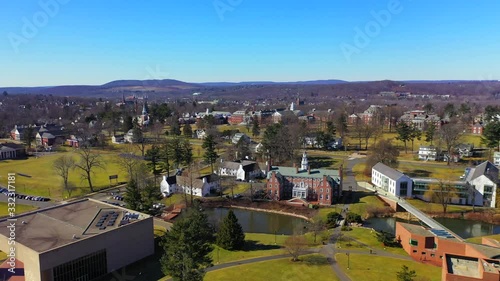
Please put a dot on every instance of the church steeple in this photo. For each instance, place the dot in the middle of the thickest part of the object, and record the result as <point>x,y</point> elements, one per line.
<point>145,108</point>
<point>304,165</point>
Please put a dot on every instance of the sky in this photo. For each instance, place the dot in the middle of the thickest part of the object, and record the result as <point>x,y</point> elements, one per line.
<point>92,42</point>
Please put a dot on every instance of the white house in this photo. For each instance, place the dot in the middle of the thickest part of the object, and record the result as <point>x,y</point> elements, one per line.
<point>199,186</point>
<point>391,181</point>
<point>168,185</point>
<point>201,134</point>
<point>427,153</point>
<point>496,158</point>
<point>483,179</point>
<point>129,136</point>
<point>240,136</point>
<point>243,170</point>
<point>118,139</point>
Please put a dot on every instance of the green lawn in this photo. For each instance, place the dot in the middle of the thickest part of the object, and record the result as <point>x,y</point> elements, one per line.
<point>19,209</point>
<point>478,239</point>
<point>3,256</point>
<point>176,198</point>
<point>438,208</point>
<point>364,203</point>
<point>159,231</point>
<point>373,268</point>
<point>324,211</point>
<point>45,182</point>
<point>311,267</point>
<point>256,245</point>
<point>365,236</point>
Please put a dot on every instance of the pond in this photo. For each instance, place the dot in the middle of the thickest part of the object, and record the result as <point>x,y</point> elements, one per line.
<point>463,228</point>
<point>259,222</point>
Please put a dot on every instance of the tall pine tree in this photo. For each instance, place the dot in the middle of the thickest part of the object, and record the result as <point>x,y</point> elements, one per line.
<point>133,196</point>
<point>231,235</point>
<point>187,247</point>
<point>210,153</point>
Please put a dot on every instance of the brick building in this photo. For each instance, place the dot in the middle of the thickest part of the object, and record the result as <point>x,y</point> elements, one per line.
<point>461,261</point>
<point>299,185</point>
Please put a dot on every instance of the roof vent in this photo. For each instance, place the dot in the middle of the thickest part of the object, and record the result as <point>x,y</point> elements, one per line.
<point>24,222</point>
<point>74,236</point>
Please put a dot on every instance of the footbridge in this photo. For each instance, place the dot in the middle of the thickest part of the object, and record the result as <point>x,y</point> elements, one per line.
<point>430,222</point>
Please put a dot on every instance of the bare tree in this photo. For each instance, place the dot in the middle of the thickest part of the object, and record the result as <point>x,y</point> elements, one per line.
<point>442,192</point>
<point>317,227</point>
<point>128,161</point>
<point>451,134</point>
<point>295,245</point>
<point>89,161</point>
<point>62,166</point>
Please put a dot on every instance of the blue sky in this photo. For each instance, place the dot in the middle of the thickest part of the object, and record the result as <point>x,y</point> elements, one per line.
<point>93,42</point>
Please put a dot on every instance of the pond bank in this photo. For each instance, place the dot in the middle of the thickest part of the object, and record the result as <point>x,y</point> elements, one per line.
<point>264,206</point>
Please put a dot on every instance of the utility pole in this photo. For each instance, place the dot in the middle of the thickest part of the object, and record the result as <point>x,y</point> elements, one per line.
<point>348,262</point>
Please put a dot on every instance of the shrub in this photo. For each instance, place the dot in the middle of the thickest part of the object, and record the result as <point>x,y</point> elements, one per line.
<point>331,219</point>
<point>353,218</point>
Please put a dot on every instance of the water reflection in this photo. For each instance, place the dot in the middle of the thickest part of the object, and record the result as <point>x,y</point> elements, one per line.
<point>464,228</point>
<point>259,222</point>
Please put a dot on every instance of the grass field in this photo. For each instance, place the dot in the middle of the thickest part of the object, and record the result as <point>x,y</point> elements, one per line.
<point>437,208</point>
<point>365,236</point>
<point>19,209</point>
<point>45,182</point>
<point>363,201</point>
<point>477,240</point>
<point>256,245</point>
<point>282,269</point>
<point>159,231</point>
<point>368,267</point>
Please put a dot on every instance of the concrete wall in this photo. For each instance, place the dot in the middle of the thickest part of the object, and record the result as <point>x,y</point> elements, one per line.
<point>27,256</point>
<point>125,245</point>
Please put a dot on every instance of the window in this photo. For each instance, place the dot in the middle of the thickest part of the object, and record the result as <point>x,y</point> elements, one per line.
<point>433,255</point>
<point>327,190</point>
<point>88,267</point>
<point>423,253</point>
<point>327,197</point>
<point>414,251</point>
<point>413,242</point>
<point>321,190</point>
<point>321,196</point>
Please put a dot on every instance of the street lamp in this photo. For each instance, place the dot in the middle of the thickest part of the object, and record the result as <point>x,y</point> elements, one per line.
<point>348,263</point>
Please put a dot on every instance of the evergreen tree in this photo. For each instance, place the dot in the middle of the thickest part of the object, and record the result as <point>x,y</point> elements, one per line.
<point>128,123</point>
<point>175,129</point>
<point>255,127</point>
<point>187,131</point>
<point>406,274</point>
<point>187,152</point>
<point>187,247</point>
<point>153,157</point>
<point>150,195</point>
<point>210,154</point>
<point>230,236</point>
<point>404,133</point>
<point>491,135</point>
<point>430,132</point>
<point>330,128</point>
<point>133,197</point>
<point>29,135</point>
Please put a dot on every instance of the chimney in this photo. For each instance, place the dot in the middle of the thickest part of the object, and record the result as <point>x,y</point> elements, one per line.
<point>268,166</point>
<point>204,179</point>
<point>309,170</point>
<point>296,168</point>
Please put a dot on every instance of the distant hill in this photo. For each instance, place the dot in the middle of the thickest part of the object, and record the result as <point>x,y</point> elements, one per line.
<point>267,89</point>
<point>313,82</point>
<point>157,83</point>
